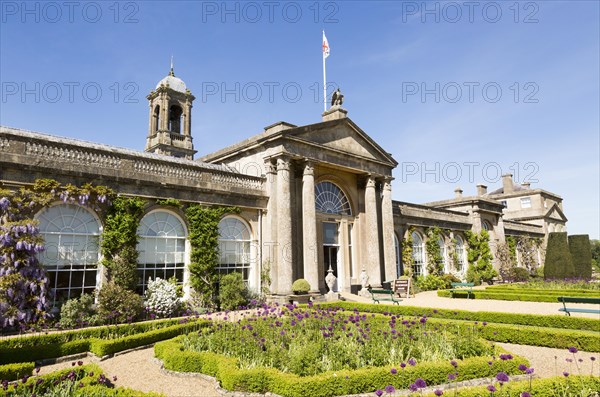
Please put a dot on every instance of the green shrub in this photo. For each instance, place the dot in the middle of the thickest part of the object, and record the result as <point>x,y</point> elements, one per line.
<point>558,263</point>
<point>518,274</point>
<point>118,305</point>
<point>300,286</point>
<point>581,254</point>
<point>514,295</point>
<point>480,258</point>
<point>79,312</point>
<point>124,268</point>
<point>233,292</point>
<point>15,371</point>
<point>432,282</point>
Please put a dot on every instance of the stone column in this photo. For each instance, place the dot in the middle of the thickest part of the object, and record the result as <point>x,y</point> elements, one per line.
<point>372,235</point>
<point>269,250</point>
<point>387,218</point>
<point>309,228</point>
<point>284,228</point>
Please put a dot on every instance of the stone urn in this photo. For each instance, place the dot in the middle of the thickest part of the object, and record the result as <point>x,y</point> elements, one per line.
<point>330,281</point>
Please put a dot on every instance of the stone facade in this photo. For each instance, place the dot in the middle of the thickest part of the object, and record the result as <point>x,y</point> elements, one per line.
<point>312,198</point>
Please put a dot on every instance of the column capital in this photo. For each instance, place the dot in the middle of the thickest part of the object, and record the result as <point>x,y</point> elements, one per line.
<point>309,168</point>
<point>270,167</point>
<point>283,164</point>
<point>370,181</point>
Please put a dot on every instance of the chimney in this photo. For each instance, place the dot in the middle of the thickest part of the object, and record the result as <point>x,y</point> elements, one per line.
<point>458,192</point>
<point>507,183</point>
<point>526,185</point>
<point>481,190</point>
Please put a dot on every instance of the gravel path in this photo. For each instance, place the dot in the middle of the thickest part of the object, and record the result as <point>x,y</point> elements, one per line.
<point>139,370</point>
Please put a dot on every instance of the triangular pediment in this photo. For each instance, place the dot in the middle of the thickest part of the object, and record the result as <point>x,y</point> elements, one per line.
<point>342,136</point>
<point>556,213</point>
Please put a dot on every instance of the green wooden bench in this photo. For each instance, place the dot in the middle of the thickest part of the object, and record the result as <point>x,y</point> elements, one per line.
<point>384,295</point>
<point>462,287</point>
<point>572,299</point>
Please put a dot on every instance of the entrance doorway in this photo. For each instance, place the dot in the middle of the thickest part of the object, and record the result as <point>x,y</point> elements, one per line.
<point>331,249</point>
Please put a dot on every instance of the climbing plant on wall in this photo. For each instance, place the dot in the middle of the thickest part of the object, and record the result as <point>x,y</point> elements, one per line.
<point>24,286</point>
<point>480,257</point>
<point>408,260</point>
<point>435,261</point>
<point>119,240</point>
<point>204,239</point>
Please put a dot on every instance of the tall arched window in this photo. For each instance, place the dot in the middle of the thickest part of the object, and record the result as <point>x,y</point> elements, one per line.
<point>442,246</point>
<point>71,234</point>
<point>234,247</point>
<point>175,113</point>
<point>459,250</point>
<point>398,251</point>
<point>161,248</point>
<point>330,199</point>
<point>418,254</point>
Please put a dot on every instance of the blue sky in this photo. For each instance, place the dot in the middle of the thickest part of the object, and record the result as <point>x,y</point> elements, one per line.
<point>458,92</point>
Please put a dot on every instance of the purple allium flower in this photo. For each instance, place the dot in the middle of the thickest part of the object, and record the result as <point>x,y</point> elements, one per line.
<point>593,358</point>
<point>413,387</point>
<point>522,367</point>
<point>525,394</point>
<point>572,350</point>
<point>379,392</point>
<point>491,388</point>
<point>438,392</point>
<point>454,363</point>
<point>529,371</point>
<point>451,377</point>
<point>402,365</point>
<point>502,377</point>
<point>420,383</point>
<point>389,389</point>
<point>393,371</point>
<point>565,374</point>
<point>412,362</point>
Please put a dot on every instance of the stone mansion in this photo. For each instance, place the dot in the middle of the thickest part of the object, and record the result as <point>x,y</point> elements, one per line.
<point>312,197</point>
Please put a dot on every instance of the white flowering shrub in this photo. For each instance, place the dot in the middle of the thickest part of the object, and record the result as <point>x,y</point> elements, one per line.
<point>161,298</point>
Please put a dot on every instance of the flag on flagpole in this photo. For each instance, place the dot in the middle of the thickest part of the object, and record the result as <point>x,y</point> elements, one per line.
<point>325,46</point>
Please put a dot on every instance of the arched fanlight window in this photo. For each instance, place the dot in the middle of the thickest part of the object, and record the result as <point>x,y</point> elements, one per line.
<point>330,199</point>
<point>234,247</point>
<point>71,234</point>
<point>161,248</point>
<point>418,254</point>
<point>486,226</point>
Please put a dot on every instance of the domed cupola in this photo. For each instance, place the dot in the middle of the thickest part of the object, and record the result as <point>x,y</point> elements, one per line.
<point>169,130</point>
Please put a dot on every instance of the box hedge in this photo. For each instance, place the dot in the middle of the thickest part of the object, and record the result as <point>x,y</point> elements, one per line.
<point>34,349</point>
<point>558,263</point>
<point>364,380</point>
<point>537,320</point>
<point>547,387</point>
<point>533,296</point>
<point>15,371</point>
<point>581,254</point>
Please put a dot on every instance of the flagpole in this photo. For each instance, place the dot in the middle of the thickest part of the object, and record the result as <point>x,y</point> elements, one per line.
<point>324,86</point>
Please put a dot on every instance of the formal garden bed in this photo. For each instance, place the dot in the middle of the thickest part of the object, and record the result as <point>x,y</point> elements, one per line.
<point>328,351</point>
<point>533,291</point>
<point>79,381</point>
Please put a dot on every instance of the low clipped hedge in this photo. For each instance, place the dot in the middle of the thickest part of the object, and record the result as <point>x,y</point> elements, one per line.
<point>531,290</point>
<point>364,380</point>
<point>536,320</point>
<point>548,387</point>
<point>498,332</point>
<point>91,387</point>
<point>37,350</point>
<point>15,371</point>
<point>514,295</point>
